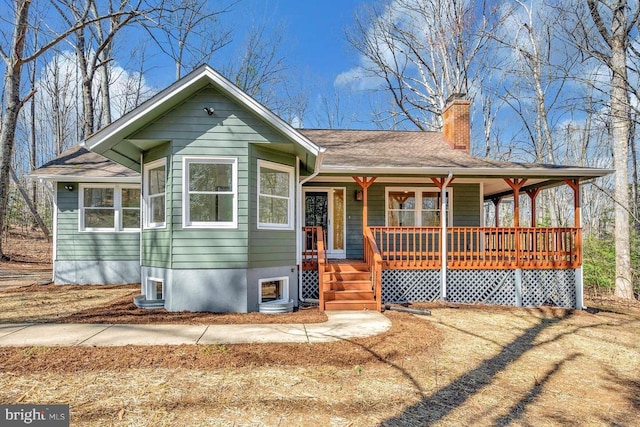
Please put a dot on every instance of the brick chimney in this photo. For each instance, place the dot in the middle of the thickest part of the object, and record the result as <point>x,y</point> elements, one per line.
<point>456,125</point>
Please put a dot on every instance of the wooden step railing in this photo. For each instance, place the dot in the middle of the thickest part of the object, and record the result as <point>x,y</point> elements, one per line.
<point>374,262</point>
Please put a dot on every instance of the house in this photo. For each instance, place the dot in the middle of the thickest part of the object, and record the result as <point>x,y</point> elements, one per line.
<point>213,203</point>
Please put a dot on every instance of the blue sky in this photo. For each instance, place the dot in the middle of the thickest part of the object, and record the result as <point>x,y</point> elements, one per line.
<point>315,42</point>
<point>316,30</point>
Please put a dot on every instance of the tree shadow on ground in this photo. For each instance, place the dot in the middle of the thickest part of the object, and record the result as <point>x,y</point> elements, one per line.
<point>439,404</point>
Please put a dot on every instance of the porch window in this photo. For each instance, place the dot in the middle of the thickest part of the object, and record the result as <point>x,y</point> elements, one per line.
<point>155,177</point>
<point>274,290</point>
<point>109,208</point>
<point>210,192</point>
<point>414,207</point>
<point>275,196</point>
<point>430,208</point>
<point>401,208</point>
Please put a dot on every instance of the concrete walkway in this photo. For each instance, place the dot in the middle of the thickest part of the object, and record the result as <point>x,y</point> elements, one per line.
<point>341,325</point>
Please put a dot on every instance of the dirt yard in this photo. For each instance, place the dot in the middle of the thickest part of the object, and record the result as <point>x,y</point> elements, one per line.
<point>460,366</point>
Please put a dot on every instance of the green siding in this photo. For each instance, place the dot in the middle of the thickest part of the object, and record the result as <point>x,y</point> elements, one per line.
<point>230,132</point>
<point>268,248</point>
<point>466,205</point>
<point>74,245</point>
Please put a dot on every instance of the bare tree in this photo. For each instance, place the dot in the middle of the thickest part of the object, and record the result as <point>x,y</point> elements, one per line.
<point>261,70</point>
<point>15,58</point>
<point>93,45</point>
<point>420,52</point>
<point>614,21</point>
<point>189,32</point>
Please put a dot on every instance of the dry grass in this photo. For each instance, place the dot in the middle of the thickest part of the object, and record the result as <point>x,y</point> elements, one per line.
<point>114,304</point>
<point>460,366</point>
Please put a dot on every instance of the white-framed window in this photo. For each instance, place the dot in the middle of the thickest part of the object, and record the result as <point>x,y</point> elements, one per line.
<point>210,192</point>
<point>274,289</point>
<point>275,196</point>
<point>155,180</point>
<point>104,207</point>
<point>415,207</point>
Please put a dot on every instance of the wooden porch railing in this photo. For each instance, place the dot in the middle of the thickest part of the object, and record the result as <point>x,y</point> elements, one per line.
<point>408,247</point>
<point>538,248</point>
<point>374,261</point>
<point>480,247</point>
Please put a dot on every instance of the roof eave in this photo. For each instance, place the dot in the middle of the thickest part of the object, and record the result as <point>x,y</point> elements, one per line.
<point>470,172</point>
<point>104,139</point>
<point>76,178</point>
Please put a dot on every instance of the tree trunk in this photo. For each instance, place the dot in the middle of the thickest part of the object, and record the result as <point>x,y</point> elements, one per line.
<point>32,208</point>
<point>620,133</point>
<point>13,64</point>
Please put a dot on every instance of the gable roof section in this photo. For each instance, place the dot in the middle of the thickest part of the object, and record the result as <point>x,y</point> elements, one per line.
<point>379,152</point>
<point>80,165</point>
<point>106,139</point>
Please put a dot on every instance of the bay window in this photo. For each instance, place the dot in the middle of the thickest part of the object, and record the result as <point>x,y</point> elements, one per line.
<point>210,196</point>
<point>275,195</point>
<point>155,177</point>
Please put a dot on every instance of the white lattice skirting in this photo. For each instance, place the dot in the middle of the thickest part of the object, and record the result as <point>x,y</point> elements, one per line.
<point>493,287</point>
<point>310,284</point>
<point>549,287</point>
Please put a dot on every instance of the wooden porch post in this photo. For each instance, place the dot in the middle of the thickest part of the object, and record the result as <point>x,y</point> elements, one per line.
<point>533,194</point>
<point>577,202</point>
<point>516,185</point>
<point>364,183</point>
<point>496,203</point>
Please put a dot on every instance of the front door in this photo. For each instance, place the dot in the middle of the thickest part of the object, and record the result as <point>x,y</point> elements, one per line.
<point>326,208</point>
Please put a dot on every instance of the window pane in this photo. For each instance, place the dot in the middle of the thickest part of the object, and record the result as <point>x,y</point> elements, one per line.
<point>98,198</point>
<point>211,207</point>
<point>338,219</point>
<point>271,291</point>
<point>431,200</point>
<point>401,219</point>
<point>156,209</point>
<point>99,218</point>
<point>274,182</point>
<point>274,210</point>
<point>402,200</point>
<point>430,218</point>
<point>130,198</point>
<point>130,218</point>
<point>157,178</point>
<point>210,177</point>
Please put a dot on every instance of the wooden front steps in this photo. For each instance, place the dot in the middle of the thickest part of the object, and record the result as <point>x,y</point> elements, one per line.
<point>347,286</point>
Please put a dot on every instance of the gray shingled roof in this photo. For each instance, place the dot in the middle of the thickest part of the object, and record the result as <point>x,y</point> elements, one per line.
<point>78,162</point>
<point>399,149</point>
<point>393,152</point>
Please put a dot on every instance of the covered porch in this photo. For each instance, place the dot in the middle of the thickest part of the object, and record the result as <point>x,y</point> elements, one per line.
<point>520,266</point>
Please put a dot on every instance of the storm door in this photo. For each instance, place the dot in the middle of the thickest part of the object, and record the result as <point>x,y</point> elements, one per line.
<point>326,208</point>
